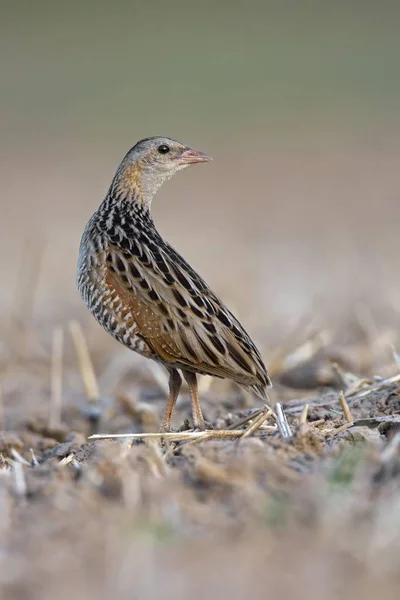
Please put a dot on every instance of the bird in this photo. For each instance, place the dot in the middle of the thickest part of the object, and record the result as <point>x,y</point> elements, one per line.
<point>148,297</point>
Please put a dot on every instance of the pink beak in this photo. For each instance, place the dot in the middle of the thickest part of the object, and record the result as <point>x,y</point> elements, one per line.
<point>190,157</point>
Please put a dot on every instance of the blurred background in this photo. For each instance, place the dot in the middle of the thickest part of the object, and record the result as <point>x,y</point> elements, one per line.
<point>296,101</point>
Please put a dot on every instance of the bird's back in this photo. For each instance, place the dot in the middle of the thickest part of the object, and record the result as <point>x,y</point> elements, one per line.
<point>149,298</point>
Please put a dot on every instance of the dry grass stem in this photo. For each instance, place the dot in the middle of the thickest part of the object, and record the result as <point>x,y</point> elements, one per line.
<point>356,386</point>
<point>257,423</point>
<point>317,422</point>
<point>178,436</point>
<point>66,460</point>
<point>56,378</point>
<point>18,458</point>
<point>20,487</point>
<point>296,406</point>
<point>373,388</point>
<point>344,427</point>
<point>35,461</point>
<point>345,408</point>
<point>282,423</point>
<point>85,362</point>
<point>205,436</point>
<point>304,415</point>
<point>250,417</point>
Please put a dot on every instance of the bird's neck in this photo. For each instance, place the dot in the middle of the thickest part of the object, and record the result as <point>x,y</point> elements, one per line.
<point>135,182</point>
<point>129,209</point>
<point>123,211</point>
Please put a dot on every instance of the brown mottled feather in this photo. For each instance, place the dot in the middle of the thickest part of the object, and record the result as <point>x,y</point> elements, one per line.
<point>206,338</point>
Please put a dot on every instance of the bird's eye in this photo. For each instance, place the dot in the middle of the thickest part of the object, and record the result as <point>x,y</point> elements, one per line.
<point>163,149</point>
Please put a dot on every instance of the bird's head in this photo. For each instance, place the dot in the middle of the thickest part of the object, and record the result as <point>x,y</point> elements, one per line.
<point>151,162</point>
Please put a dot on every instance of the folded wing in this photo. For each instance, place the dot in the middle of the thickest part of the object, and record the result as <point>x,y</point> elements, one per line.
<point>178,315</point>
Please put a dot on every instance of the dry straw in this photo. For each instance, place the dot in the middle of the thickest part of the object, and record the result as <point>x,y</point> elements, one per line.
<point>84,362</point>
<point>304,415</point>
<point>56,378</point>
<point>345,408</point>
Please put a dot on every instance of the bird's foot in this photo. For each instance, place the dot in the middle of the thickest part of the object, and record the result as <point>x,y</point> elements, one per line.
<point>188,426</point>
<point>205,426</point>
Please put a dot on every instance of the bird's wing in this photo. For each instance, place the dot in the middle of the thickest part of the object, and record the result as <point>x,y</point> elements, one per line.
<point>180,317</point>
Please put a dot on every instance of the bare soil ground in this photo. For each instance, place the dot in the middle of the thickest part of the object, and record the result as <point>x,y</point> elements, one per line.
<point>315,515</point>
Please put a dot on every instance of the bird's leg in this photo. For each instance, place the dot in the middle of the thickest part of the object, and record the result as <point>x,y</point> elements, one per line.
<point>191,380</point>
<point>175,382</point>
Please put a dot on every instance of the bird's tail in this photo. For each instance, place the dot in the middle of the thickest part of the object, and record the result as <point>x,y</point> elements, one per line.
<point>263,382</point>
<point>260,390</point>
